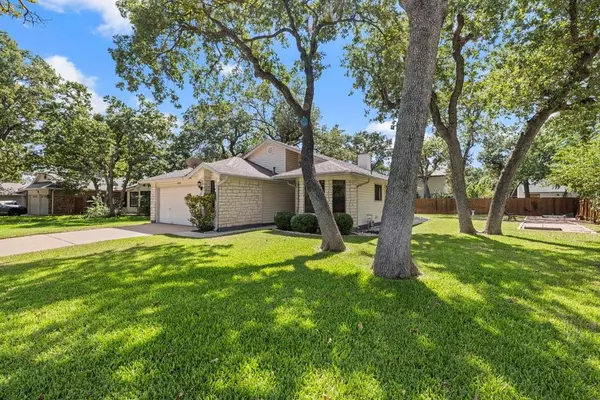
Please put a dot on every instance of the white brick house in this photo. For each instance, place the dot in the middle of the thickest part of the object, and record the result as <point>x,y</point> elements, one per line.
<point>251,189</point>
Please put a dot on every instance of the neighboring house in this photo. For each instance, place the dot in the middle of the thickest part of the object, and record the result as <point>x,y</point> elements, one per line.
<point>11,191</point>
<point>251,189</point>
<point>45,196</point>
<point>542,191</point>
<point>437,183</point>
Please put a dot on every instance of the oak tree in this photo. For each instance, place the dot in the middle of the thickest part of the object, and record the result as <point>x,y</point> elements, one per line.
<point>170,36</point>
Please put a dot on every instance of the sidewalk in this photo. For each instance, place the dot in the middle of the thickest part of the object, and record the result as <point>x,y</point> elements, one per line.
<point>28,244</point>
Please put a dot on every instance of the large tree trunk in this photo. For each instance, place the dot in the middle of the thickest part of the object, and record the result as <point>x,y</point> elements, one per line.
<point>526,188</point>
<point>393,256</point>
<point>459,186</point>
<point>331,238</point>
<point>504,185</point>
<point>125,184</point>
<point>110,194</point>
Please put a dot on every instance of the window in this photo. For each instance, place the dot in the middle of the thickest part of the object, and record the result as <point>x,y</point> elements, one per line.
<point>212,187</point>
<point>308,207</point>
<point>339,197</point>
<point>378,192</point>
<point>134,199</point>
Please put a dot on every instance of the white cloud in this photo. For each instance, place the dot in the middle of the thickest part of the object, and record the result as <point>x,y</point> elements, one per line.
<point>112,21</point>
<point>67,70</point>
<point>383,127</point>
<point>228,69</point>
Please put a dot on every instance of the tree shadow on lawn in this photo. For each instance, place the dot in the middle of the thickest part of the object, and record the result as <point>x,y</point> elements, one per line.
<point>208,320</point>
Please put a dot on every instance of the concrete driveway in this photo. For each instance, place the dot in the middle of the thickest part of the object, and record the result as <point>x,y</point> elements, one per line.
<point>28,244</point>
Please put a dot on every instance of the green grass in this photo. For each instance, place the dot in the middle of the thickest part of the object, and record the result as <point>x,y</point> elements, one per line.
<point>263,316</point>
<point>26,225</point>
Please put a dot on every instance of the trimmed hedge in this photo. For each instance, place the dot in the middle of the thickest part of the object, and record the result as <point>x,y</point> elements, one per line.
<point>283,220</point>
<point>344,222</point>
<point>305,223</point>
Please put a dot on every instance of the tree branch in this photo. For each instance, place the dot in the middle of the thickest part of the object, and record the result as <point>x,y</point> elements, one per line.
<point>249,55</point>
<point>459,80</point>
<point>436,116</point>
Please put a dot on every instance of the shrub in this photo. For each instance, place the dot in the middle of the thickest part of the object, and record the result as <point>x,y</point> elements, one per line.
<point>344,222</point>
<point>305,223</point>
<point>202,211</point>
<point>97,209</point>
<point>144,207</point>
<point>283,220</point>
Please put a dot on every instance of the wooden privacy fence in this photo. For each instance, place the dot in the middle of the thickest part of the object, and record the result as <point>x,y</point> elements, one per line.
<point>587,212</point>
<point>530,206</point>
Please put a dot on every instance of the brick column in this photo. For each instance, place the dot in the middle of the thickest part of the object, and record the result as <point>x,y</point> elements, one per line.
<point>300,197</point>
<point>352,201</point>
<point>153,203</point>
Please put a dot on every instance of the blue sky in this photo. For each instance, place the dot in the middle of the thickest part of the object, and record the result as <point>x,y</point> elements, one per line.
<point>77,34</point>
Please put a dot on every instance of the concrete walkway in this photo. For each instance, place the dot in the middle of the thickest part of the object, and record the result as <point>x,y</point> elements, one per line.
<point>570,225</point>
<point>28,244</point>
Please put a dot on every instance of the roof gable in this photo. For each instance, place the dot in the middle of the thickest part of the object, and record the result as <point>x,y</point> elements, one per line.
<point>271,142</point>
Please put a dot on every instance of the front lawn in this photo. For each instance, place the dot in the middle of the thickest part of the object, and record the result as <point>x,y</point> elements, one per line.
<point>263,316</point>
<point>32,225</point>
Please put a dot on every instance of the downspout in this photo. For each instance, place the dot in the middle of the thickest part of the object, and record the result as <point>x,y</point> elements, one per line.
<point>296,195</point>
<point>217,187</point>
<point>52,210</point>
<point>357,213</point>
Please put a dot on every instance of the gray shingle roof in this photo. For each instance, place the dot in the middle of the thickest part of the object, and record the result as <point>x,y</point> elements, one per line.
<point>169,175</point>
<point>11,188</point>
<point>237,166</point>
<point>331,167</point>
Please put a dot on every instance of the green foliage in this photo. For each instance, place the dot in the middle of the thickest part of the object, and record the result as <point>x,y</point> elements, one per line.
<point>21,9</point>
<point>496,148</point>
<point>578,168</point>
<point>28,86</point>
<point>75,144</point>
<point>98,208</point>
<point>305,223</point>
<point>479,183</point>
<point>537,163</point>
<point>144,207</point>
<point>334,143</point>
<point>344,222</point>
<point>202,211</point>
<point>378,145</point>
<point>547,50</point>
<point>283,220</point>
<point>433,156</point>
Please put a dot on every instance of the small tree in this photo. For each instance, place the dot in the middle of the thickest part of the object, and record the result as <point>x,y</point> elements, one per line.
<point>202,211</point>
<point>577,168</point>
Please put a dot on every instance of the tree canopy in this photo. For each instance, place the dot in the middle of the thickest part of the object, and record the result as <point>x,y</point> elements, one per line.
<point>28,86</point>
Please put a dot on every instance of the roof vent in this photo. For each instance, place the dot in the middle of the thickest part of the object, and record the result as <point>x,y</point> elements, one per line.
<point>193,162</point>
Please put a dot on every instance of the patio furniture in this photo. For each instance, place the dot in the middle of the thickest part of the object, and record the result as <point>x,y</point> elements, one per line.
<point>510,216</point>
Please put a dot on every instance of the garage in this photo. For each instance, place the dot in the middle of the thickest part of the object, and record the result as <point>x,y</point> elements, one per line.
<point>171,205</point>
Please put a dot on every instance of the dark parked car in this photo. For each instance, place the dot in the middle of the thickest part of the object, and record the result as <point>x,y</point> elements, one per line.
<point>11,207</point>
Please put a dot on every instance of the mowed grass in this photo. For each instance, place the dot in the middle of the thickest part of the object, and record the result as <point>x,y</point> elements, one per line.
<point>35,225</point>
<point>263,316</point>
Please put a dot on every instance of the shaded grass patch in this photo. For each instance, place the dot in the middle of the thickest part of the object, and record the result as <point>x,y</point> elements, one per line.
<point>259,315</point>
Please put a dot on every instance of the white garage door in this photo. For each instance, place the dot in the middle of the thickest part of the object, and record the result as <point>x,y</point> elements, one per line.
<point>171,205</point>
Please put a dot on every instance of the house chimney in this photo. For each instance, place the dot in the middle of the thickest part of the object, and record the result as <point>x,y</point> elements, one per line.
<point>364,161</point>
